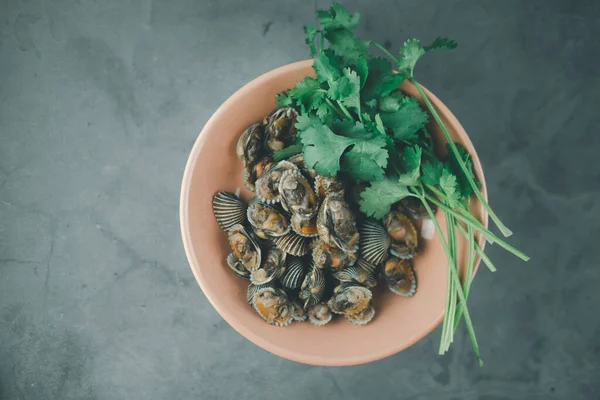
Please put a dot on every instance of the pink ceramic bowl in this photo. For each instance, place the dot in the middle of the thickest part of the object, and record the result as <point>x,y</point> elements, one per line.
<point>213,166</point>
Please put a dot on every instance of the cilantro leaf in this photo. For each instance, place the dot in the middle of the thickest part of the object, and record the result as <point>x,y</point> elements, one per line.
<point>411,51</point>
<point>350,129</point>
<point>407,120</point>
<point>381,80</point>
<point>462,182</point>
<point>323,111</point>
<point>311,33</point>
<point>448,185</point>
<point>352,99</point>
<point>411,164</point>
<point>392,102</point>
<point>361,68</point>
<point>367,159</point>
<point>304,91</point>
<point>304,122</point>
<point>378,198</point>
<point>326,67</point>
<point>337,17</point>
<point>343,43</point>
<point>283,99</point>
<point>322,148</point>
<point>379,124</point>
<point>432,172</point>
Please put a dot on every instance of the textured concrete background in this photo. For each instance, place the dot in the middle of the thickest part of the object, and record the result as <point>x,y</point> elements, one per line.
<point>100,103</point>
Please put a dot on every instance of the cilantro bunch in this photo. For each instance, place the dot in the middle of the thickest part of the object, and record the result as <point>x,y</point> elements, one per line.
<point>355,123</point>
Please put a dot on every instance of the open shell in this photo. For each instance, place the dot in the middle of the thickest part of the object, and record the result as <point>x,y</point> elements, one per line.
<point>249,146</point>
<point>403,233</point>
<point>253,172</point>
<point>319,314</point>
<point>313,287</point>
<point>333,257</point>
<point>400,277</point>
<point>293,244</point>
<point>228,209</point>
<point>325,185</point>
<point>299,313</point>
<point>374,242</point>
<point>253,289</point>
<point>336,223</point>
<point>294,274</point>
<point>350,299</point>
<point>273,306</point>
<point>267,218</point>
<point>414,206</point>
<point>236,266</point>
<point>297,195</point>
<point>245,246</point>
<point>355,273</point>
<point>280,130</point>
<point>272,267</point>
<point>363,317</point>
<point>267,186</point>
<point>304,227</point>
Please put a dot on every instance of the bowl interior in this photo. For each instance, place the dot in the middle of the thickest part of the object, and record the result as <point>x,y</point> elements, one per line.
<point>213,166</point>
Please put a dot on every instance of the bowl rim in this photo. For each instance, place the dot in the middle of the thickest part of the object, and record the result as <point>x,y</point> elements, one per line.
<point>193,260</point>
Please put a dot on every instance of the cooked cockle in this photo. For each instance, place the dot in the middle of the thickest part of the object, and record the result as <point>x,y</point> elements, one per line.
<point>296,195</point>
<point>298,160</point>
<point>336,223</point>
<point>363,317</point>
<point>399,276</point>
<point>253,172</point>
<point>249,147</point>
<point>403,234</point>
<point>272,267</point>
<point>245,246</point>
<point>273,305</point>
<point>319,314</point>
<point>280,131</point>
<point>236,266</point>
<point>414,206</point>
<point>253,289</point>
<point>228,209</point>
<point>325,255</point>
<point>357,274</point>
<point>267,186</point>
<point>294,273</point>
<point>267,218</point>
<point>306,227</point>
<point>350,299</point>
<point>293,244</point>
<point>298,311</point>
<point>325,185</point>
<point>313,287</point>
<point>374,242</point>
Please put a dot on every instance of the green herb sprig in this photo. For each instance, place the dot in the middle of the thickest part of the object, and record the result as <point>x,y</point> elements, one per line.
<point>353,120</point>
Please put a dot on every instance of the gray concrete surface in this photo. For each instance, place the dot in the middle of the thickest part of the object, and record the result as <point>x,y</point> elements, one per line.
<point>100,103</point>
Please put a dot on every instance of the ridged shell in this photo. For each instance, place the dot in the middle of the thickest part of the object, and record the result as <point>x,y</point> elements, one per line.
<point>350,299</point>
<point>267,218</point>
<point>364,264</point>
<point>374,242</point>
<point>304,227</point>
<point>326,256</point>
<point>319,314</point>
<point>403,234</point>
<point>355,273</point>
<point>325,185</point>
<point>299,313</point>
<point>253,289</point>
<point>272,267</point>
<point>293,244</point>
<point>267,186</point>
<point>363,317</point>
<point>228,209</point>
<point>273,306</point>
<point>297,195</point>
<point>245,246</point>
<point>236,266</point>
<point>294,274</point>
<point>400,277</point>
<point>336,223</point>
<point>313,287</point>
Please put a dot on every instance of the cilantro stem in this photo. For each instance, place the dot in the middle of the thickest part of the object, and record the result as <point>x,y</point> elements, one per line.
<point>345,111</point>
<point>446,322</point>
<point>386,52</point>
<point>486,260</point>
<point>287,152</point>
<point>505,231</point>
<point>454,276</point>
<point>479,227</point>
<point>469,277</point>
<point>333,106</point>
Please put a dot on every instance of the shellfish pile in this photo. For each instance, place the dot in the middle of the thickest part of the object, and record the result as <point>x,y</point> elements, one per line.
<point>301,242</point>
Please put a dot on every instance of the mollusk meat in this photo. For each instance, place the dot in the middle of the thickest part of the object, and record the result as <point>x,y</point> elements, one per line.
<point>336,223</point>
<point>399,276</point>
<point>245,246</point>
